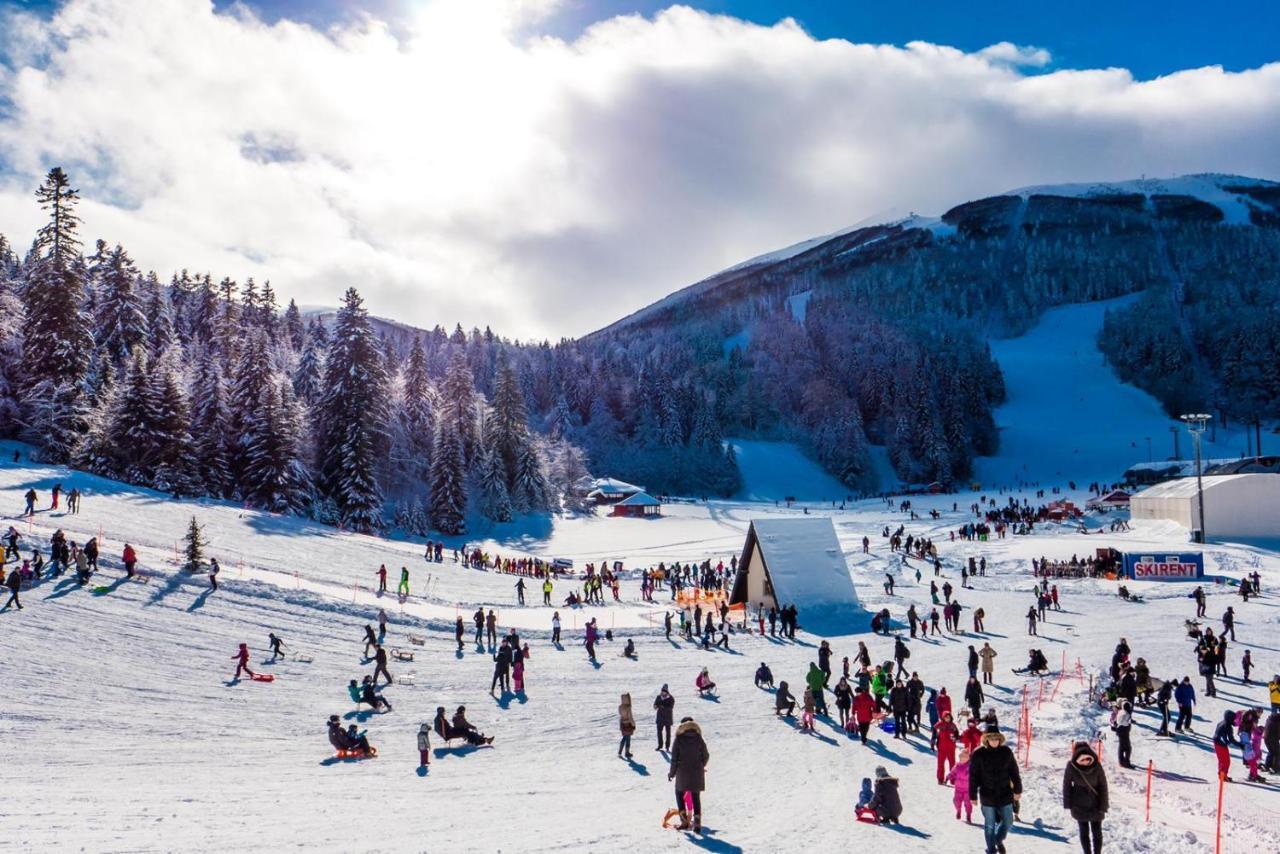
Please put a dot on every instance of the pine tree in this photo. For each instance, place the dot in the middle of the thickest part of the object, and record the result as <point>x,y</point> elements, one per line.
<point>56,341</point>
<point>531,492</point>
<point>211,427</point>
<point>194,550</point>
<point>568,471</point>
<point>495,502</point>
<point>120,322</point>
<point>458,404</point>
<point>274,477</point>
<point>294,331</point>
<point>12,310</point>
<point>448,510</point>
<point>353,411</point>
<point>250,385</point>
<point>417,413</point>
<point>308,376</point>
<point>162,334</point>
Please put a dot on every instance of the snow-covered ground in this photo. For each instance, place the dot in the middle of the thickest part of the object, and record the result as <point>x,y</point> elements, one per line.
<point>125,732</point>
<point>1067,415</point>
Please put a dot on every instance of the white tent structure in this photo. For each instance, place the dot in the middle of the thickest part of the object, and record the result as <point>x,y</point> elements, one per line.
<point>1235,505</point>
<point>793,562</point>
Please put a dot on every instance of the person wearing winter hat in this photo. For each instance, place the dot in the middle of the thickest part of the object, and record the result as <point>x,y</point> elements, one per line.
<point>664,705</point>
<point>424,745</point>
<point>884,799</point>
<point>995,783</point>
<point>689,758</point>
<point>1084,795</point>
<point>959,777</point>
<point>626,725</point>
<point>242,661</point>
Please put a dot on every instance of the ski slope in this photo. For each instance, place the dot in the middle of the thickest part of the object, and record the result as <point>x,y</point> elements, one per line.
<point>1068,416</point>
<point>125,731</point>
<point>772,471</point>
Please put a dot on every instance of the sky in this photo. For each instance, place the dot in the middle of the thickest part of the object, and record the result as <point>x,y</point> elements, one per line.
<point>547,166</point>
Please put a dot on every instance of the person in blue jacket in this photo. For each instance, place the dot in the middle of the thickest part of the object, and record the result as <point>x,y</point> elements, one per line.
<point>1185,696</point>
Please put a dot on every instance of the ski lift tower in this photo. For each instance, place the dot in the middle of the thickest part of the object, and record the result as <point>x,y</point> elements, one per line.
<point>1196,425</point>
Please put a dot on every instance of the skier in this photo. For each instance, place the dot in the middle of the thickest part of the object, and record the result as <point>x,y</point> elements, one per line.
<point>1084,795</point>
<point>214,569</point>
<point>242,662</point>
<point>626,725</point>
<point>277,646</point>
<point>403,589</point>
<point>382,578</point>
<point>994,782</point>
<point>665,705</point>
<point>688,769</point>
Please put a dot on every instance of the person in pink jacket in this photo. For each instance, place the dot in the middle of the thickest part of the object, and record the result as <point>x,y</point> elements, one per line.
<point>1250,733</point>
<point>959,777</point>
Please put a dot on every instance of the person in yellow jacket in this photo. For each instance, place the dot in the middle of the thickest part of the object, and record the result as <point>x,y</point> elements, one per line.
<point>1274,687</point>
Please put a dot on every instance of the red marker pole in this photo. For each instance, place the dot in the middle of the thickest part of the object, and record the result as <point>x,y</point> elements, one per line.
<point>1217,838</point>
<point>1149,770</point>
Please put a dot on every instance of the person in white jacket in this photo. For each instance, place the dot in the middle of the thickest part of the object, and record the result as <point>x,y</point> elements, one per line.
<point>424,745</point>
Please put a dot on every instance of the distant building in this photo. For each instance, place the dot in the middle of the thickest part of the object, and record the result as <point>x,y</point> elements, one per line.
<point>639,505</point>
<point>1235,505</point>
<point>606,490</point>
<point>1116,499</point>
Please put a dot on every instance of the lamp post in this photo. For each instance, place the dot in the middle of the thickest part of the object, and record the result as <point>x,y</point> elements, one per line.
<point>1196,424</point>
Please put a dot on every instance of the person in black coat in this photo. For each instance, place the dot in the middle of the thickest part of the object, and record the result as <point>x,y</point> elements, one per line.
<point>1084,794</point>
<point>973,662</point>
<point>784,702</point>
<point>502,668</point>
<point>995,783</point>
<point>764,676</point>
<point>688,769</point>
<point>885,802</point>
<point>664,704</point>
<point>899,702</point>
<point>973,696</point>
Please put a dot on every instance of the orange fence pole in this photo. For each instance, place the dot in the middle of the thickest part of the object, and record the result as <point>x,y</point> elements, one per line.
<point>1149,769</point>
<point>1217,837</point>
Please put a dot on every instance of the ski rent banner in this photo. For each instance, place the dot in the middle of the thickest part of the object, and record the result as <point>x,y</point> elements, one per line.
<point>1186,566</point>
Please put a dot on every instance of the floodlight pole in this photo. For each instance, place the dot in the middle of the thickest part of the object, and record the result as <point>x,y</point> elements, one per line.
<point>1196,424</point>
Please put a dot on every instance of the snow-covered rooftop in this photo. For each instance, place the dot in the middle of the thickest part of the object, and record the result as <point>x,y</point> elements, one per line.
<point>640,499</point>
<point>805,561</point>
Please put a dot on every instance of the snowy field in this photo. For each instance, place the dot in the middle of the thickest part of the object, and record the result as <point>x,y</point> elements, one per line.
<point>125,732</point>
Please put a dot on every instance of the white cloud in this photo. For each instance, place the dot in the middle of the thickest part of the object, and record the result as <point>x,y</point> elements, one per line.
<point>471,171</point>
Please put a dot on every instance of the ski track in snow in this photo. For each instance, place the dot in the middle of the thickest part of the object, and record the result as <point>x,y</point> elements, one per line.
<point>125,733</point>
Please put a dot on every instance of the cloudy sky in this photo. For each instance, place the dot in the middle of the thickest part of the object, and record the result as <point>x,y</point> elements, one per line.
<point>546,166</point>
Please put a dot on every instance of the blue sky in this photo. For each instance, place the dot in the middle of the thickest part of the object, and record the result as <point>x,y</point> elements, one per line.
<point>1149,38</point>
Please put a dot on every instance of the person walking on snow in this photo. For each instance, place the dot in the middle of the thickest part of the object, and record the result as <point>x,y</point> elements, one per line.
<point>57,490</point>
<point>664,704</point>
<point>626,725</point>
<point>959,777</point>
<point>382,624</point>
<point>943,741</point>
<point>1084,795</point>
<point>14,583</point>
<point>380,664</point>
<point>214,569</point>
<point>491,627</point>
<point>424,745</point>
<point>370,639</point>
<point>11,543</point>
<point>1223,738</point>
<point>403,589</point>
<point>277,646</point>
<point>130,558</point>
<point>689,759</point>
<point>994,782</point>
<point>31,502</point>
<point>242,662</point>
<point>546,591</point>
<point>1031,620</point>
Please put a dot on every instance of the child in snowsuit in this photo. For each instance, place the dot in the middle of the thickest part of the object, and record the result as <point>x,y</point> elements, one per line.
<point>864,796</point>
<point>242,661</point>
<point>959,777</point>
<point>424,745</point>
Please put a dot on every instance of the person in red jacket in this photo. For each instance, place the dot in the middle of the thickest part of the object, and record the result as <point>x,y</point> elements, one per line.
<point>130,559</point>
<point>943,702</point>
<point>943,740</point>
<point>864,709</point>
<point>242,661</point>
<point>382,578</point>
<point>972,736</point>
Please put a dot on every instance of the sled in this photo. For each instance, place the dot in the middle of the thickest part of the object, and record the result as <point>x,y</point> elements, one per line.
<point>302,658</point>
<point>356,754</point>
<point>887,725</point>
<point>672,813</point>
<point>402,655</point>
<point>866,815</point>
<point>406,678</point>
<point>417,641</point>
<point>101,590</point>
<point>263,677</point>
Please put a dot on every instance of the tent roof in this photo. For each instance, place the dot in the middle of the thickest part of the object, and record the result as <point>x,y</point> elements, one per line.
<point>610,485</point>
<point>1186,487</point>
<point>804,561</point>
<point>640,499</point>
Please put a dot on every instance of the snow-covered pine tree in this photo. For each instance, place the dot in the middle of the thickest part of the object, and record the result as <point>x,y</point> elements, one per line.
<point>495,503</point>
<point>448,509</point>
<point>250,381</point>
<point>531,494</point>
<point>274,477</point>
<point>416,414</point>
<point>352,437</point>
<point>211,427</point>
<point>56,339</point>
<point>11,309</point>
<point>294,331</point>
<point>161,332</point>
<point>174,466</point>
<point>193,552</point>
<point>269,313</point>
<point>568,470</point>
<point>458,403</point>
<point>308,376</point>
<point>119,319</point>
<point>505,427</point>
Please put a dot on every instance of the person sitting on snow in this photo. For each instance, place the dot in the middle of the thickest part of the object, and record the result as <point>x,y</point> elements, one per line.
<point>370,696</point>
<point>358,741</point>
<point>764,676</point>
<point>704,684</point>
